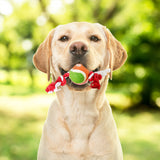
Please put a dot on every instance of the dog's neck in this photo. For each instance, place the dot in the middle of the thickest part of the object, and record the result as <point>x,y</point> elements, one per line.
<point>70,98</point>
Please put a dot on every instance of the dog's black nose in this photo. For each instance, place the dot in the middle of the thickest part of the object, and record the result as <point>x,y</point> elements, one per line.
<point>78,49</point>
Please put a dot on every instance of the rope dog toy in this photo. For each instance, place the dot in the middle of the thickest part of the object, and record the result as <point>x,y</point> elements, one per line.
<point>78,75</point>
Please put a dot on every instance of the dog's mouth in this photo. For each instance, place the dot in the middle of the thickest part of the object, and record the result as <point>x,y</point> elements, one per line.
<point>73,85</point>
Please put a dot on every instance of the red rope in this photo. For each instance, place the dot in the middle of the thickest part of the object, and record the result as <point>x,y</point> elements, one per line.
<point>62,81</point>
<point>95,78</point>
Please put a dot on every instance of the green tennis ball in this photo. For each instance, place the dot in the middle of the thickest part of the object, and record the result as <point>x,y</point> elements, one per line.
<point>77,76</point>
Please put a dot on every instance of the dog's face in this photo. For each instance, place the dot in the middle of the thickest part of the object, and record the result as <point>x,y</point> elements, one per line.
<point>79,42</point>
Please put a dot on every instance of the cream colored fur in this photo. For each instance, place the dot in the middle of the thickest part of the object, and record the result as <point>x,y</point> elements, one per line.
<point>80,125</point>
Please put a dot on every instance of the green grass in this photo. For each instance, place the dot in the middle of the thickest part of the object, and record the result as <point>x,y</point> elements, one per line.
<point>140,134</point>
<point>21,122</point>
<point>22,119</point>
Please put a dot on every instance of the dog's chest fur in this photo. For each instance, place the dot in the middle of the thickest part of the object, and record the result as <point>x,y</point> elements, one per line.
<point>81,120</point>
<point>73,127</point>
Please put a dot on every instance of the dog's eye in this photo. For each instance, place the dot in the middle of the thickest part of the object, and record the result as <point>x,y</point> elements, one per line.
<point>94,38</point>
<point>64,38</point>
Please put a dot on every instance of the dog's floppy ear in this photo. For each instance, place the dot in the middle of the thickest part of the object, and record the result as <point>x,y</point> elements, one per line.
<point>118,54</point>
<point>41,58</point>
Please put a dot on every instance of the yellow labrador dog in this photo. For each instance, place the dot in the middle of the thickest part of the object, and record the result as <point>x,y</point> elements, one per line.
<point>80,125</point>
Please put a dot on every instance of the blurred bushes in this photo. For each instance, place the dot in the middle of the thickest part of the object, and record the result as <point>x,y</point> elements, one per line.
<point>24,25</point>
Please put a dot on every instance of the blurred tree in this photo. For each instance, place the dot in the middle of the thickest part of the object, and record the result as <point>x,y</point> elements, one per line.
<point>135,23</point>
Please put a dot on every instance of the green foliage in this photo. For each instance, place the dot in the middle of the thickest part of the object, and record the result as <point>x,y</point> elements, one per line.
<point>134,23</point>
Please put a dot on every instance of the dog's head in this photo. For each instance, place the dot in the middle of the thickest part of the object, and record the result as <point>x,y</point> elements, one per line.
<point>92,45</point>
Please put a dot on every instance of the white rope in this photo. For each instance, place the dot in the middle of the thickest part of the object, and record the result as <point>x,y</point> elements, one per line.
<point>56,86</point>
<point>91,75</point>
<point>104,72</point>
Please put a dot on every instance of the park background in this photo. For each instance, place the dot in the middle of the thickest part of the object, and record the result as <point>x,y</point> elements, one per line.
<point>134,92</point>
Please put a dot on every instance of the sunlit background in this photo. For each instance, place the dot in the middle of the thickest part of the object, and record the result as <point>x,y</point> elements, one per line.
<point>134,92</point>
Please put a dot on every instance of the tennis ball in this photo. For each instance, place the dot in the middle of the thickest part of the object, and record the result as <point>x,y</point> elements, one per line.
<point>79,74</point>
